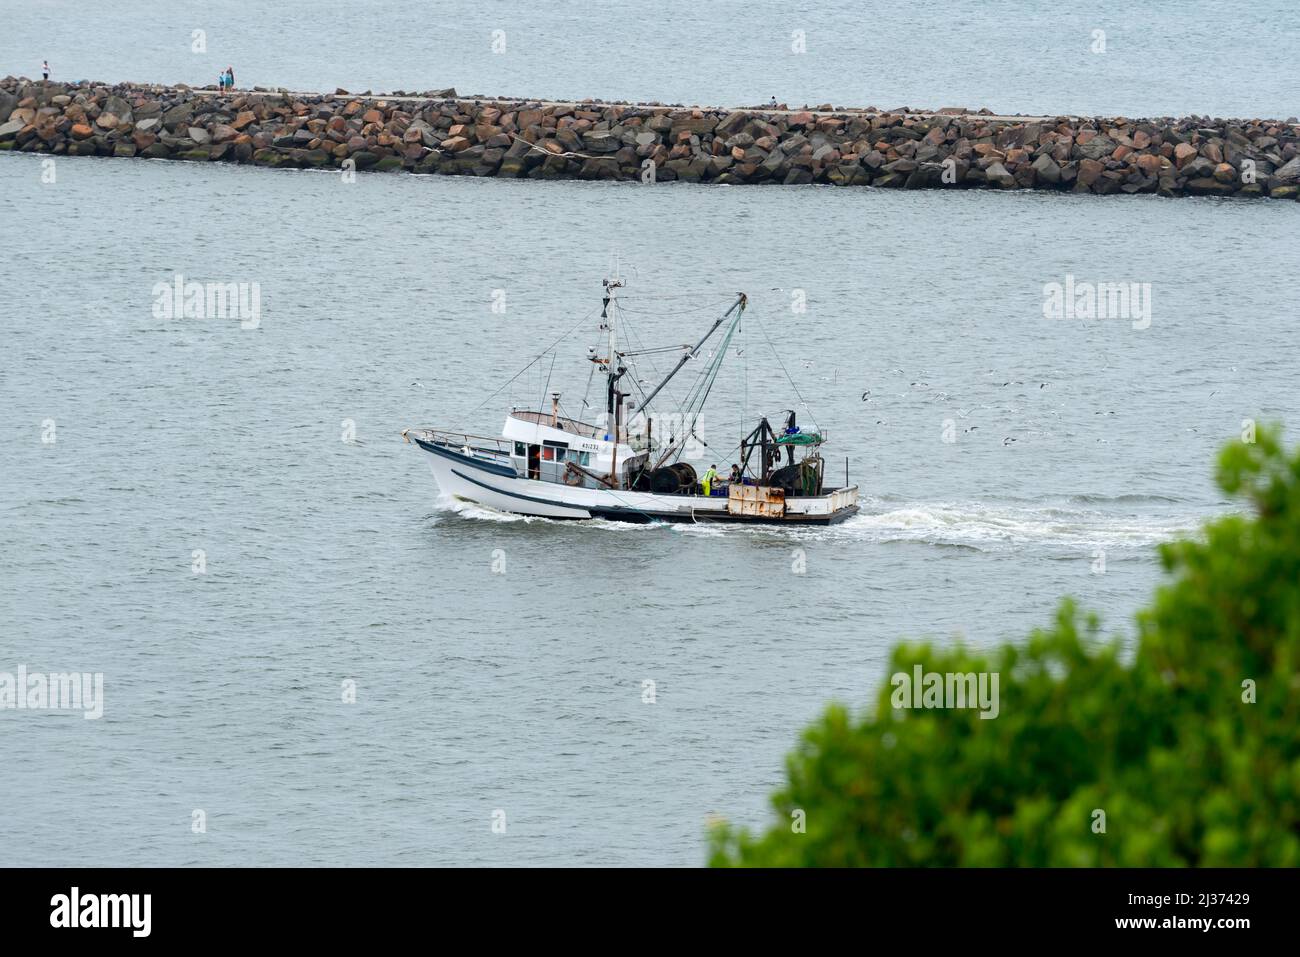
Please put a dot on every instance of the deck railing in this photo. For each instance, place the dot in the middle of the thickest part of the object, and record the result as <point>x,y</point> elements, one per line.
<point>476,443</point>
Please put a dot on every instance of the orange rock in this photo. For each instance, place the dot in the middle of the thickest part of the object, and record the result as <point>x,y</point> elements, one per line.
<point>81,131</point>
<point>1121,152</point>
<point>1183,154</point>
<point>1089,170</point>
<point>1150,164</point>
<point>248,116</point>
<point>372,116</point>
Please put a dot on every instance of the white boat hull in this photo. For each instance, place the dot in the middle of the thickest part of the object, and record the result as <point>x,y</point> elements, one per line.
<point>470,479</point>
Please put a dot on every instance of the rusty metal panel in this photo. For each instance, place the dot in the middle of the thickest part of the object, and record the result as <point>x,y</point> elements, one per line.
<point>756,500</point>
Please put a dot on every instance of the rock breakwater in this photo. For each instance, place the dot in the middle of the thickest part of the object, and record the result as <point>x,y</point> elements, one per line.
<point>442,133</point>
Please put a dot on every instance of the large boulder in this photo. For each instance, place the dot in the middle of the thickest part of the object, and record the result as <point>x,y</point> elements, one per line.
<point>603,142</point>
<point>1089,171</point>
<point>178,116</point>
<point>998,175</point>
<point>119,107</point>
<point>1224,173</point>
<point>1046,170</point>
<point>1287,174</point>
<point>1207,186</point>
<point>1096,147</point>
<point>732,123</point>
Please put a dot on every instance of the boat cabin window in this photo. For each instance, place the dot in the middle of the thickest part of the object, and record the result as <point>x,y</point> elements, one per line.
<point>520,450</point>
<point>554,452</point>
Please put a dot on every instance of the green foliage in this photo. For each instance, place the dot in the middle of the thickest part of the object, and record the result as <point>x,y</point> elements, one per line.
<point>1186,770</point>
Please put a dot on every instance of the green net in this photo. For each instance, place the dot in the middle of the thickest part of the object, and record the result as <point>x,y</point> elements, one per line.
<point>799,438</point>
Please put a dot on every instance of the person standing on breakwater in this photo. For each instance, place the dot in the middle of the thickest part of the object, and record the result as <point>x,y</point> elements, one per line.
<point>45,70</point>
<point>230,78</point>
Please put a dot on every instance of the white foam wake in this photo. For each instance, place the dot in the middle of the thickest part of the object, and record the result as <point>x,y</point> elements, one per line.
<point>978,525</point>
<point>989,526</point>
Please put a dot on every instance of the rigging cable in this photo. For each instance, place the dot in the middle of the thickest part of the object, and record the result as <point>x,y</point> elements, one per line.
<point>531,361</point>
<point>541,405</point>
<point>763,329</point>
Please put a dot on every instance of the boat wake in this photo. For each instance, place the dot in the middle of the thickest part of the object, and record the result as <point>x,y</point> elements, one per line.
<point>993,527</point>
<point>978,526</point>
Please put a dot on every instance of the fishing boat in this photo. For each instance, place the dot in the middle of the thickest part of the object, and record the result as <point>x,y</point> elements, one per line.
<point>629,466</point>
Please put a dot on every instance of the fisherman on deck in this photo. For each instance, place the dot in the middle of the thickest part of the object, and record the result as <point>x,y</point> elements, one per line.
<point>709,477</point>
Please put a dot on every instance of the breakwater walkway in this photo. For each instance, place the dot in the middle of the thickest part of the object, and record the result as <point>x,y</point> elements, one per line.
<point>440,132</point>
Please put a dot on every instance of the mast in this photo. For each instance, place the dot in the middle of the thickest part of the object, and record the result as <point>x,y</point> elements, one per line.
<point>614,371</point>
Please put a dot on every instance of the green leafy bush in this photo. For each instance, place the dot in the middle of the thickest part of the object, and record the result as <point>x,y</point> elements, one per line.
<point>1191,750</point>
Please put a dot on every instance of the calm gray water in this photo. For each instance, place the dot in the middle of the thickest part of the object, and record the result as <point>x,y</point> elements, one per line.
<point>1161,57</point>
<point>329,561</point>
